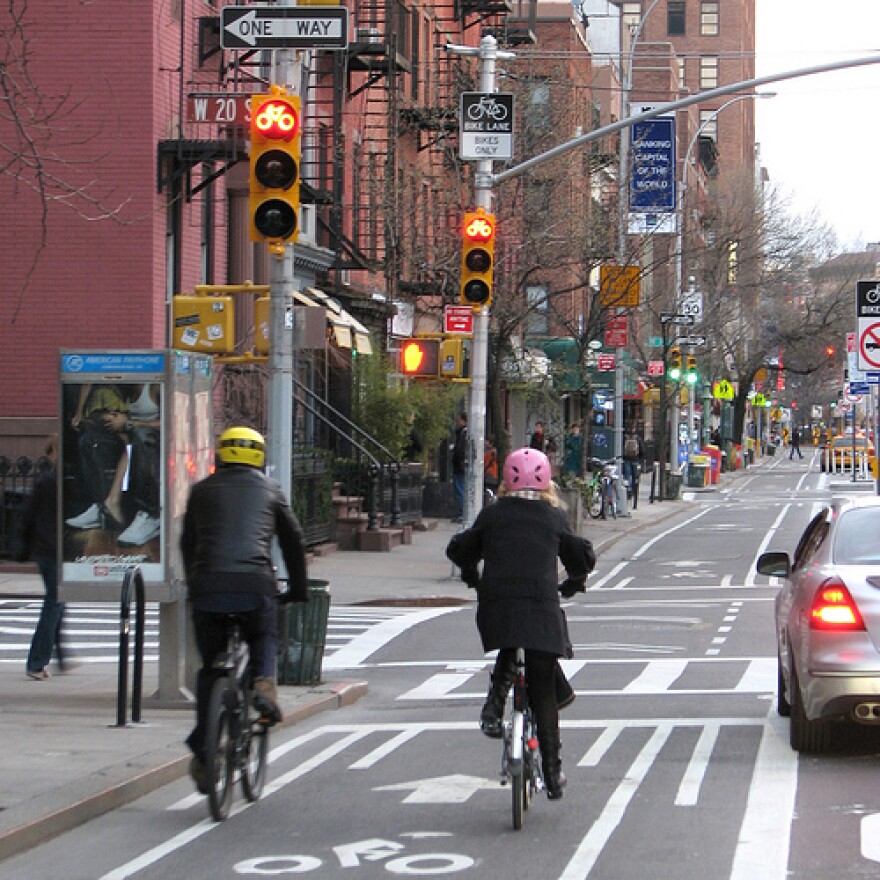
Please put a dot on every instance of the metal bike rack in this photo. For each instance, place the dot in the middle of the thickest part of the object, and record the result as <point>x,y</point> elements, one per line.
<point>132,576</point>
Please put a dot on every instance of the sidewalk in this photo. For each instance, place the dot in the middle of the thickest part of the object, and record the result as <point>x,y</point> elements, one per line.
<point>67,763</point>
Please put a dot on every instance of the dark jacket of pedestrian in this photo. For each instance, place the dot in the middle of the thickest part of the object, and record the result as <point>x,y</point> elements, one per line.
<point>40,528</point>
<point>519,541</point>
<point>459,448</point>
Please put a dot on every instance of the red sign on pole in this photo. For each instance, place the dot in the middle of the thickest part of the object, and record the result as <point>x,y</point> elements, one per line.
<point>606,362</point>
<point>458,319</point>
<point>655,368</point>
<point>615,332</point>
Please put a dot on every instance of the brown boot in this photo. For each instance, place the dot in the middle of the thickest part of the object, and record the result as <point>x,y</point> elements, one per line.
<point>266,700</point>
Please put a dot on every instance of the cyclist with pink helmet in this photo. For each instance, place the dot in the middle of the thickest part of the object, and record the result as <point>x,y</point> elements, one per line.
<point>519,539</point>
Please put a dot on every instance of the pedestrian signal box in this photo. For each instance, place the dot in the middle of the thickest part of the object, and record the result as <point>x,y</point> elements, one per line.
<point>204,323</point>
<point>420,358</point>
<point>454,358</point>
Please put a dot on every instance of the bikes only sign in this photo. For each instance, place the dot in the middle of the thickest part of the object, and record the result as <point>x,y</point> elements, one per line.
<point>486,126</point>
<point>868,320</point>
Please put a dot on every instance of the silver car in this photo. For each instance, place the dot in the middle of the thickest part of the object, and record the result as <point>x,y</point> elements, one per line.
<point>828,623</point>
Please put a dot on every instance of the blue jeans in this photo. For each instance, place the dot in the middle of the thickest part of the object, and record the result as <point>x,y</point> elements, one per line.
<point>458,489</point>
<point>48,632</point>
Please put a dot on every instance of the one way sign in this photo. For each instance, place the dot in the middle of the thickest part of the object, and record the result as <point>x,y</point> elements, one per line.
<point>283,27</point>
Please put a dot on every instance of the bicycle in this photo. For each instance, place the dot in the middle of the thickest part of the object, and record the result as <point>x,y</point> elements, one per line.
<point>521,755</point>
<point>237,738</point>
<point>594,496</point>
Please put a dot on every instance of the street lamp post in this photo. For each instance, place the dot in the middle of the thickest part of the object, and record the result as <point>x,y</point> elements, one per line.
<point>679,246</point>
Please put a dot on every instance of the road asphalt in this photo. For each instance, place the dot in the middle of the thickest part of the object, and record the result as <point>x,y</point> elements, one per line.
<point>65,760</point>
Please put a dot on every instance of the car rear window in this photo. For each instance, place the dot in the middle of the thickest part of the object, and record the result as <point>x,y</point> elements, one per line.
<point>857,537</point>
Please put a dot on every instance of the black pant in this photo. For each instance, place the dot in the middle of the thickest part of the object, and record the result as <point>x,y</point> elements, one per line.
<point>260,630</point>
<point>541,669</point>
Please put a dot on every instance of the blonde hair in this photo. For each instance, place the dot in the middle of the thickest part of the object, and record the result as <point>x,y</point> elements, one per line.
<point>550,494</point>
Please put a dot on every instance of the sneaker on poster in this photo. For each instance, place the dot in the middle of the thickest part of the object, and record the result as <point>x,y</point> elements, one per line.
<point>88,519</point>
<point>143,528</point>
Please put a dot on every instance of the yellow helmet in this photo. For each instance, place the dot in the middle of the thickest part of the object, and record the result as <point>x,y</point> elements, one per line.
<point>242,446</point>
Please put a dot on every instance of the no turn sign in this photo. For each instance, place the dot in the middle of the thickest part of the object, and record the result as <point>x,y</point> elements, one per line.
<point>869,345</point>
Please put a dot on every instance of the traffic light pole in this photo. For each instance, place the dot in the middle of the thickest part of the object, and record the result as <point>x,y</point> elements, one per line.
<point>488,53</point>
<point>281,316</point>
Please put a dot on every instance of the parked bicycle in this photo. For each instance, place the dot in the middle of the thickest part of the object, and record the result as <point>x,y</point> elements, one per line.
<point>521,755</point>
<point>237,738</point>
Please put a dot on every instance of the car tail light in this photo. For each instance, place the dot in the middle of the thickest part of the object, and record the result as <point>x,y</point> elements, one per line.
<point>834,608</point>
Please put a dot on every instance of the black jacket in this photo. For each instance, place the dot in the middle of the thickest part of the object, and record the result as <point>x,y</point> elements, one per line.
<point>40,529</point>
<point>228,527</point>
<point>459,450</point>
<point>519,541</point>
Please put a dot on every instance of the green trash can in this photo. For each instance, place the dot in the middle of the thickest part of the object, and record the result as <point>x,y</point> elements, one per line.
<point>302,634</point>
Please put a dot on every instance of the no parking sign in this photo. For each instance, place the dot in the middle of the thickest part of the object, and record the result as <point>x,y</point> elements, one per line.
<point>868,319</point>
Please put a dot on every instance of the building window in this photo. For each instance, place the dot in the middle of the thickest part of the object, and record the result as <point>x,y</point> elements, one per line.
<point>632,15</point>
<point>675,18</point>
<point>709,124</point>
<point>538,318</point>
<point>709,18</point>
<point>681,71</point>
<point>709,72</point>
<point>539,111</point>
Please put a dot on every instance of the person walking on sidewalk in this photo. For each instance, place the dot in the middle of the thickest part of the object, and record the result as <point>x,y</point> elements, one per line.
<point>40,544</point>
<point>518,539</point>
<point>230,521</point>
<point>459,464</point>
<point>795,444</point>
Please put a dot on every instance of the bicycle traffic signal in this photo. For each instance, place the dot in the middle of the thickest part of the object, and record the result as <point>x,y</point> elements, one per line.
<point>274,177</point>
<point>691,374</point>
<point>477,258</point>
<point>420,358</point>
<point>675,364</point>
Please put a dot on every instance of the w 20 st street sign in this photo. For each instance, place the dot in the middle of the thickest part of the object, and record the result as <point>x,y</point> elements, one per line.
<point>283,27</point>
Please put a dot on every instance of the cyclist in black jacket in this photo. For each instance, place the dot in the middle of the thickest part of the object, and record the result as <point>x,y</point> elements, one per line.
<point>230,521</point>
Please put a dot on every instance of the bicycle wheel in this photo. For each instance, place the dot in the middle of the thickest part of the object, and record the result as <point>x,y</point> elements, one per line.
<point>518,789</point>
<point>219,751</point>
<point>594,502</point>
<point>254,759</point>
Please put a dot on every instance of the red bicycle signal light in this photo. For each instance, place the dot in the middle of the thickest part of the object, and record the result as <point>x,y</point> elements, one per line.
<point>275,118</point>
<point>477,258</point>
<point>420,357</point>
<point>274,176</point>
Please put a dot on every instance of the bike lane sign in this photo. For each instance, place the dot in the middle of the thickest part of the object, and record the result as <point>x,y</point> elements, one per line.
<point>486,126</point>
<point>868,320</point>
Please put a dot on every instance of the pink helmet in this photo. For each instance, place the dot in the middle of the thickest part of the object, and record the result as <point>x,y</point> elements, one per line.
<point>527,469</point>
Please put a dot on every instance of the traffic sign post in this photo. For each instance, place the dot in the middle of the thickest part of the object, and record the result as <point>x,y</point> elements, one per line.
<point>486,126</point>
<point>283,27</point>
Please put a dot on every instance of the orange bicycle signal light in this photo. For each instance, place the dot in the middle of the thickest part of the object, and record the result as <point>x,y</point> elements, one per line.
<point>477,258</point>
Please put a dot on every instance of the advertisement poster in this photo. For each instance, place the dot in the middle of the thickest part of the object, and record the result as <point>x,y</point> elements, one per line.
<point>112,474</point>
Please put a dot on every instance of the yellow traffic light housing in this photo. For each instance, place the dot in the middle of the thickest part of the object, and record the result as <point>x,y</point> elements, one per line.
<point>275,131</point>
<point>477,258</point>
<point>691,374</point>
<point>675,364</point>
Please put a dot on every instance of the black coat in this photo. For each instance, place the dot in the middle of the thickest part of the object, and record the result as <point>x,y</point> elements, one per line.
<point>519,541</point>
<point>228,527</point>
<point>40,529</point>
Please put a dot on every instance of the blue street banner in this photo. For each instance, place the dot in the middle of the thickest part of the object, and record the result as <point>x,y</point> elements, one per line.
<point>652,169</point>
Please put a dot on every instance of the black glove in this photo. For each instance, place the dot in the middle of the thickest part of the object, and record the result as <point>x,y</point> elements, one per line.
<point>471,576</point>
<point>570,586</point>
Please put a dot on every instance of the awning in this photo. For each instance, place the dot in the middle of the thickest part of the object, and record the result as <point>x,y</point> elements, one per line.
<point>569,374</point>
<point>344,326</point>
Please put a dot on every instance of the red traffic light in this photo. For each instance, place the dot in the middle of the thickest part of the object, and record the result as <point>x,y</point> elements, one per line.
<point>276,119</point>
<point>829,350</point>
<point>420,357</point>
<point>479,227</point>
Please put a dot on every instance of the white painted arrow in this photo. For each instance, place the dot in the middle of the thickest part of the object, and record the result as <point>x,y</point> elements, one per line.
<point>455,789</point>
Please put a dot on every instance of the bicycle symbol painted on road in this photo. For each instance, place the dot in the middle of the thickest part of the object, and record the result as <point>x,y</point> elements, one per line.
<point>487,108</point>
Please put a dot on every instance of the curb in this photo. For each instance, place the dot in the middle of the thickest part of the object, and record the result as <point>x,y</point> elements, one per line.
<point>116,786</point>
